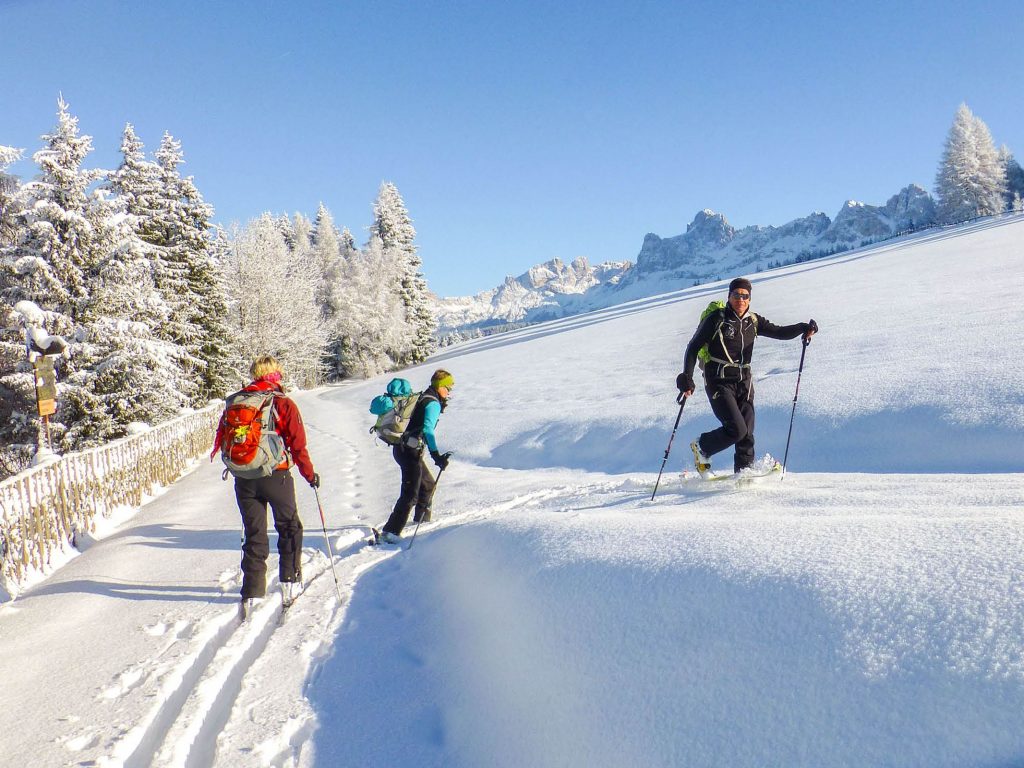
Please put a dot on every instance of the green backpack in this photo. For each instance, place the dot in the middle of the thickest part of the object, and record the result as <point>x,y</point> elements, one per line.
<point>704,354</point>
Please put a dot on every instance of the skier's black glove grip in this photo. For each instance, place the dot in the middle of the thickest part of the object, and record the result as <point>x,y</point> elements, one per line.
<point>315,482</point>
<point>684,383</point>
<point>441,459</point>
<point>812,327</point>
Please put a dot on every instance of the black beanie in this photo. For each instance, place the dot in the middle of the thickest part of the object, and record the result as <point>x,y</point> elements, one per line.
<point>740,282</point>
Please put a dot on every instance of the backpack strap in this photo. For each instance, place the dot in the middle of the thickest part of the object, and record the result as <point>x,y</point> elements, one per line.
<point>729,362</point>
<point>416,440</point>
<point>718,334</point>
<point>268,415</point>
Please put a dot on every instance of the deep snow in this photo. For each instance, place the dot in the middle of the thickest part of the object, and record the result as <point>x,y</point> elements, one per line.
<point>553,615</point>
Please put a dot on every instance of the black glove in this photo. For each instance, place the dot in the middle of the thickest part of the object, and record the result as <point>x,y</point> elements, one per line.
<point>812,327</point>
<point>315,482</point>
<point>684,382</point>
<point>441,459</point>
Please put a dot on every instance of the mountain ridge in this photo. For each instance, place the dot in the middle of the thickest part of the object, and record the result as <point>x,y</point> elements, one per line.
<point>709,249</point>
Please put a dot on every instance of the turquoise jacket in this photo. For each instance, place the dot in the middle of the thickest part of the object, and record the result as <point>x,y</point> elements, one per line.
<point>431,413</point>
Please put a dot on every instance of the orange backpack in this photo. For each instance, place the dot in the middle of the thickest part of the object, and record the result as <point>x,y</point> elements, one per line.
<point>250,448</point>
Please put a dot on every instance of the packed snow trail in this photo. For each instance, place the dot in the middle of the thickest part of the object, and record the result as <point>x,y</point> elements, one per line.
<point>132,653</point>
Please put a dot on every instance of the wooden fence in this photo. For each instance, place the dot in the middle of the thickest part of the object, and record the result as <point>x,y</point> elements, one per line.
<point>45,507</point>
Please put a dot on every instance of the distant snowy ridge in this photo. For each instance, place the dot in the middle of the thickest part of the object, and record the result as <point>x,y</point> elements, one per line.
<point>710,249</point>
<point>537,294</point>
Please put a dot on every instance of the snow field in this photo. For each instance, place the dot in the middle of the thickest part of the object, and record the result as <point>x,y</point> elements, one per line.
<point>553,615</point>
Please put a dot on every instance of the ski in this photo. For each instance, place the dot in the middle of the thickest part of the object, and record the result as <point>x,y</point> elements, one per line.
<point>374,539</point>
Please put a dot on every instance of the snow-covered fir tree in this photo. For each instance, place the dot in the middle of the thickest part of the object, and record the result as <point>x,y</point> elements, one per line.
<point>301,242</point>
<point>393,226</point>
<point>347,245</point>
<point>9,188</point>
<point>61,242</point>
<point>139,376</point>
<point>330,266</point>
<point>372,332</point>
<point>1014,180</point>
<point>195,274</point>
<point>971,180</point>
<point>327,257</point>
<point>19,424</point>
<point>286,227</point>
<point>273,307</point>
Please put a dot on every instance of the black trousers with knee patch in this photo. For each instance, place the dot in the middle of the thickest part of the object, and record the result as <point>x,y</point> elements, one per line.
<point>733,404</point>
<point>253,496</point>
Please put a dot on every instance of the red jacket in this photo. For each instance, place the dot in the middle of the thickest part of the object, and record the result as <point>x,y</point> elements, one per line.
<point>288,425</point>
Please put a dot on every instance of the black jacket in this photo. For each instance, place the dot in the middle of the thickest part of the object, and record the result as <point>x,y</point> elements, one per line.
<point>735,343</point>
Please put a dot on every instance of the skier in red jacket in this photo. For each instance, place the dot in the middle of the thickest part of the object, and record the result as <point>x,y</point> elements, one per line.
<point>277,490</point>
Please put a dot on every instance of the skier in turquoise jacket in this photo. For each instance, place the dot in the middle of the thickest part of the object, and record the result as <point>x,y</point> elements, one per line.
<point>420,437</point>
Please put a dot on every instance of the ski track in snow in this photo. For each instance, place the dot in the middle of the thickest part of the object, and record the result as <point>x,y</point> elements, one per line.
<point>205,681</point>
<point>220,661</point>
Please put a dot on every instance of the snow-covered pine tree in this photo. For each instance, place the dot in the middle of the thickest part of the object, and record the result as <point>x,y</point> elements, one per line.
<point>18,422</point>
<point>302,236</point>
<point>273,305</point>
<point>139,376</point>
<point>1014,179</point>
<point>347,244</point>
<point>223,343</point>
<point>54,262</point>
<point>9,187</point>
<point>287,229</point>
<point>393,226</point>
<point>330,266</point>
<point>188,242</point>
<point>372,331</point>
<point>150,199</point>
<point>327,257</point>
<point>971,180</point>
<point>138,185</point>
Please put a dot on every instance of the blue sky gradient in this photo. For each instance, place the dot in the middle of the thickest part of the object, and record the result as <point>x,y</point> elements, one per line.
<point>527,130</point>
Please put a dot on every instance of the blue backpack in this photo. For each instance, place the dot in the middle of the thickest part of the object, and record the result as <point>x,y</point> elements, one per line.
<point>393,411</point>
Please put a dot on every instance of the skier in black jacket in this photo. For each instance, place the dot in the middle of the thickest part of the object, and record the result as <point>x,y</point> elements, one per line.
<point>729,334</point>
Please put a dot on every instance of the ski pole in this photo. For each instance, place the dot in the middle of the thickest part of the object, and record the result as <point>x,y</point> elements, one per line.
<point>682,404</point>
<point>796,394</point>
<point>327,539</point>
<point>436,481</point>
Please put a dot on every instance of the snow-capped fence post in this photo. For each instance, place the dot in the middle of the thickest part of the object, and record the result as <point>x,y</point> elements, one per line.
<point>45,508</point>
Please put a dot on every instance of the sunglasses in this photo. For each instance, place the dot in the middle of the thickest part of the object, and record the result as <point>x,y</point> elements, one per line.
<point>738,295</point>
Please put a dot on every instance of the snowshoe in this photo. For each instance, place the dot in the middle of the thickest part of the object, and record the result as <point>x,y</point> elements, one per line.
<point>701,462</point>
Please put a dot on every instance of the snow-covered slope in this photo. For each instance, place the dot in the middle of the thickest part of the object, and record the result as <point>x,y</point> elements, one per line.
<point>708,250</point>
<point>864,611</point>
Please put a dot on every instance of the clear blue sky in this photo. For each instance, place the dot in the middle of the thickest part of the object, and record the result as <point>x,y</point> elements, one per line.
<point>522,131</point>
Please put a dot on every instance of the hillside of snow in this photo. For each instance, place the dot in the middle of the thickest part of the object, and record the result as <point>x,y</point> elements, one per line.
<point>863,611</point>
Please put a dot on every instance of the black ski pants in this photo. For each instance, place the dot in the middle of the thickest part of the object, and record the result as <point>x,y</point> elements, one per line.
<point>417,488</point>
<point>253,496</point>
<point>733,405</point>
